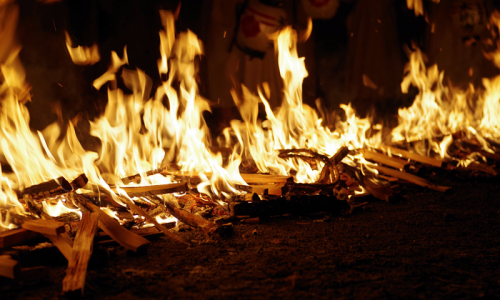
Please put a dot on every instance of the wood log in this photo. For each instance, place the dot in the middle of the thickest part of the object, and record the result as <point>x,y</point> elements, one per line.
<point>411,178</point>
<point>339,156</point>
<point>44,226</point>
<point>248,178</point>
<point>74,281</point>
<point>410,155</point>
<point>394,162</point>
<point>8,267</point>
<point>79,181</point>
<point>62,240</point>
<point>121,235</point>
<point>14,237</point>
<point>50,188</point>
<point>145,190</point>
<point>151,219</point>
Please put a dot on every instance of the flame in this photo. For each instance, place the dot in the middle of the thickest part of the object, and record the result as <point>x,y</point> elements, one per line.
<point>82,55</point>
<point>58,209</point>
<point>136,128</point>
<point>294,125</point>
<point>143,129</point>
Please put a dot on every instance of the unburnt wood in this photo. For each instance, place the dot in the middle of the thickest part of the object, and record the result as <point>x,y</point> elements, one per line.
<point>82,250</point>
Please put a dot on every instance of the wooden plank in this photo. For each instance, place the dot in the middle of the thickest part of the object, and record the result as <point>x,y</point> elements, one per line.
<point>151,219</point>
<point>8,266</point>
<point>411,155</point>
<point>394,162</point>
<point>121,235</point>
<point>411,178</point>
<point>146,190</point>
<point>44,226</point>
<point>74,281</point>
<point>248,178</point>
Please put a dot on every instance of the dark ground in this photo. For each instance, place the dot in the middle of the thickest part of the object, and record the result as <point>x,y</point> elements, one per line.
<point>427,245</point>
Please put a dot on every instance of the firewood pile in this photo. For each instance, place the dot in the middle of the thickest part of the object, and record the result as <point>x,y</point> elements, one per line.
<point>100,206</point>
<point>129,214</point>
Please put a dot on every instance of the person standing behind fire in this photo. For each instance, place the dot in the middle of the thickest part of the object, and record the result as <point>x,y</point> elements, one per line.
<point>240,50</point>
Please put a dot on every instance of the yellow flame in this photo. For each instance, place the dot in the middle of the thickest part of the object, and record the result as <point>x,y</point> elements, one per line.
<point>82,55</point>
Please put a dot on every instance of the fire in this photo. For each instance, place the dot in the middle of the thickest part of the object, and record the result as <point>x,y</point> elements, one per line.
<point>82,55</point>
<point>294,125</point>
<point>143,129</point>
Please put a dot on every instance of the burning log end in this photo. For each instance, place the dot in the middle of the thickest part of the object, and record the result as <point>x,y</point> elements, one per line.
<point>339,156</point>
<point>137,177</point>
<point>79,181</point>
<point>50,188</point>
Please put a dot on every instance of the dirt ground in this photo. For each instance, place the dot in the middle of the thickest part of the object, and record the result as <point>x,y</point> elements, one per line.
<point>426,245</point>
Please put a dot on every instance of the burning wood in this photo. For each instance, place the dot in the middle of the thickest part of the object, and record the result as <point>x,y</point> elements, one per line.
<point>151,219</point>
<point>122,236</point>
<point>329,169</point>
<point>50,188</point>
<point>82,249</point>
<point>53,187</point>
<point>191,219</point>
<point>137,177</point>
<point>141,141</point>
<point>410,155</point>
<point>411,178</point>
<point>145,190</point>
<point>394,162</point>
